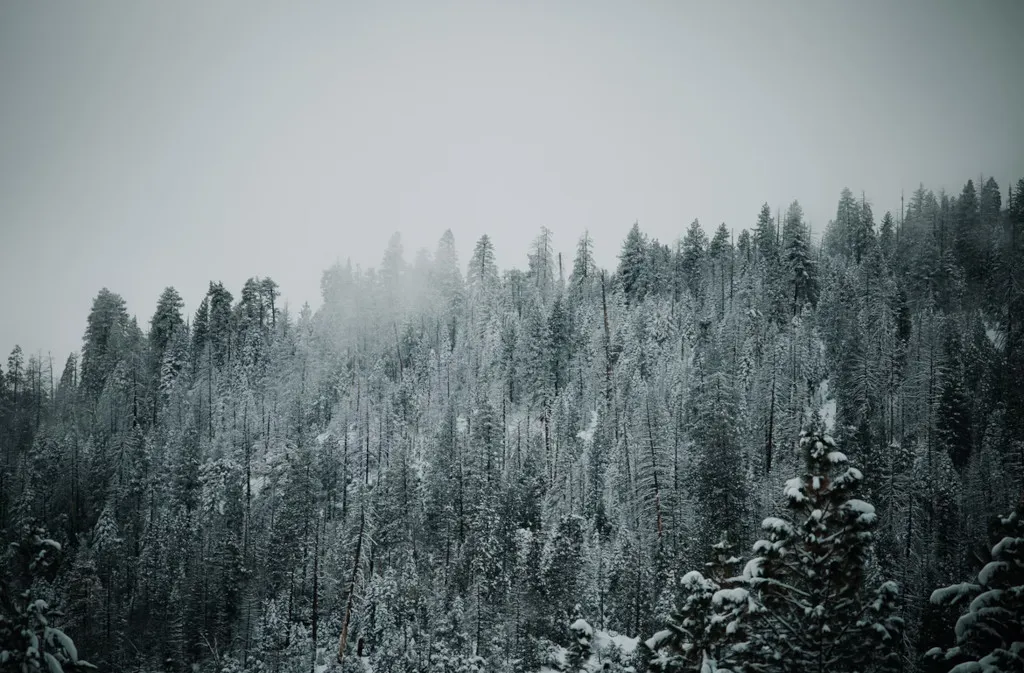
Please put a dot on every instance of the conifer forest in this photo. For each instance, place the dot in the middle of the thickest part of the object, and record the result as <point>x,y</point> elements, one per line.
<point>760,453</point>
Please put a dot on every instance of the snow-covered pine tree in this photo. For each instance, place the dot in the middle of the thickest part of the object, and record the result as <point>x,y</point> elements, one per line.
<point>582,646</point>
<point>562,573</point>
<point>707,624</point>
<point>680,646</point>
<point>713,420</point>
<point>809,608</point>
<point>632,269</point>
<point>990,633</point>
<point>28,642</point>
<point>802,268</point>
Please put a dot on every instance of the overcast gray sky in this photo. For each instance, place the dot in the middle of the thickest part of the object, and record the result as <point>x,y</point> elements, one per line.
<point>146,144</point>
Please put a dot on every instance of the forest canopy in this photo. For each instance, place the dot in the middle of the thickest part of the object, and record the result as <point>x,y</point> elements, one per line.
<point>761,452</point>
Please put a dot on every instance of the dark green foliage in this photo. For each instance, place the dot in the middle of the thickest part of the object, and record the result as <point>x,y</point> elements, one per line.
<point>809,608</point>
<point>107,319</point>
<point>989,633</point>
<point>691,259</point>
<point>714,432</point>
<point>802,268</point>
<point>220,323</point>
<point>633,265</point>
<point>28,641</point>
<point>165,321</point>
<point>705,628</point>
<point>561,574</point>
<point>765,235</point>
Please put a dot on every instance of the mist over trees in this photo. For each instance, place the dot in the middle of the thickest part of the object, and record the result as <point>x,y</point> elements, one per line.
<point>767,452</point>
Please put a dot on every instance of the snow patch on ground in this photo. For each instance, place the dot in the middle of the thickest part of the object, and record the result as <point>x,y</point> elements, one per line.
<point>587,435</point>
<point>461,424</point>
<point>605,640</point>
<point>604,645</point>
<point>625,644</point>
<point>995,335</point>
<point>828,415</point>
<point>517,419</point>
<point>321,656</point>
<point>256,485</point>
<point>826,405</point>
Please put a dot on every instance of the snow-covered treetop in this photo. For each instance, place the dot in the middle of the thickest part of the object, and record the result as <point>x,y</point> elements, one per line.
<point>821,482</point>
<point>582,628</point>
<point>865,511</point>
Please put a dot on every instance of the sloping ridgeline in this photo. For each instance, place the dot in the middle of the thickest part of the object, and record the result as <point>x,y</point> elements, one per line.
<point>450,468</point>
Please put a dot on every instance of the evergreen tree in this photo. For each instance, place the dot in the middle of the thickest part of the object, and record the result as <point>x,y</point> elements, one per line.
<point>887,235</point>
<point>483,272</point>
<point>633,265</point>
<point>542,261</point>
<point>562,574</point>
<point>583,266</point>
<point>165,321</point>
<point>764,234</point>
<point>705,631</point>
<point>220,323</point>
<point>968,236</point>
<point>107,317</point>
<point>27,640</point>
<point>809,606</point>
<point>694,251</point>
<point>989,634</point>
<point>714,432</point>
<point>802,268</point>
<point>864,234</point>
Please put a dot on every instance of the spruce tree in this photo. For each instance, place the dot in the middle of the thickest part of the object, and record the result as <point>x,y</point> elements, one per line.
<point>764,234</point>
<point>802,268</point>
<point>706,628</point>
<point>633,265</point>
<point>28,642</point>
<point>887,235</point>
<point>107,317</point>
<point>809,608</point>
<point>165,322</point>
<point>693,253</point>
<point>990,632</point>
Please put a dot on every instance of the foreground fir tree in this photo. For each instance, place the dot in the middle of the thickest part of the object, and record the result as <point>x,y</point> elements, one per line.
<point>707,630</point>
<point>990,634</point>
<point>27,641</point>
<point>809,608</point>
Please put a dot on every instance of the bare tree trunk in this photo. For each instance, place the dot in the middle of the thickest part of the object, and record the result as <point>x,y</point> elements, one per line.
<point>316,593</point>
<point>248,479</point>
<point>654,468</point>
<point>351,588</point>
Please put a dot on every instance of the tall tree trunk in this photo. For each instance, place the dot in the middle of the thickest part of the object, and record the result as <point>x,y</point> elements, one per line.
<point>356,559</point>
<point>316,587</point>
<point>654,469</point>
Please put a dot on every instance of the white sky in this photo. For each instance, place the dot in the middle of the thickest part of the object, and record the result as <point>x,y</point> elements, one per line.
<point>146,144</point>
